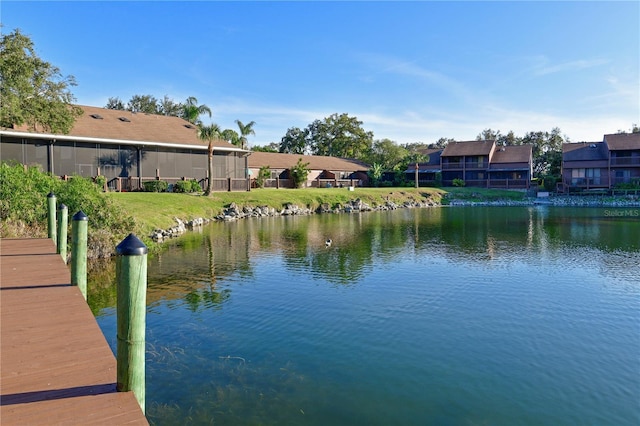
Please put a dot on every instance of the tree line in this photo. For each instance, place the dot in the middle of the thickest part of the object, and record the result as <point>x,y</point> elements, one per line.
<point>188,110</point>
<point>36,93</point>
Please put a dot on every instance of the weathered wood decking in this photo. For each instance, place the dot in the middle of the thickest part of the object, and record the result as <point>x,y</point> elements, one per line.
<point>55,365</point>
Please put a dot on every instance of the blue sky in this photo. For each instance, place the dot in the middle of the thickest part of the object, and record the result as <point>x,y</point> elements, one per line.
<point>410,71</point>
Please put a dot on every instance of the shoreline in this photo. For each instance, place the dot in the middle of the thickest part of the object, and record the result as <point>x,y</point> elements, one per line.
<point>234,212</point>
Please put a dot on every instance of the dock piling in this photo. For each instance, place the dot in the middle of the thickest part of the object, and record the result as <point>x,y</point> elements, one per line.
<point>79,225</point>
<point>51,203</point>
<point>131,275</point>
<point>63,222</point>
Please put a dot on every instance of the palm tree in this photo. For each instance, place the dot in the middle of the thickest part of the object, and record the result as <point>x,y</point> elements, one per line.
<point>191,110</point>
<point>245,130</point>
<point>209,134</point>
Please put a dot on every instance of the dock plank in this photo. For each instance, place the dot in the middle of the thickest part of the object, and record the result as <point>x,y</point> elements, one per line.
<point>56,366</point>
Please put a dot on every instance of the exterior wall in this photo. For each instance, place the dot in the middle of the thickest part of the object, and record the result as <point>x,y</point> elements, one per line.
<point>473,170</point>
<point>122,161</point>
<point>625,166</point>
<point>593,174</point>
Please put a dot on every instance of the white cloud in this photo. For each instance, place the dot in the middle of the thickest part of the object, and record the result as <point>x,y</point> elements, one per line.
<point>543,66</point>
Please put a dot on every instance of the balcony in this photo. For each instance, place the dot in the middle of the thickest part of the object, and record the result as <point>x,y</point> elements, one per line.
<point>625,161</point>
<point>452,165</point>
<point>465,165</point>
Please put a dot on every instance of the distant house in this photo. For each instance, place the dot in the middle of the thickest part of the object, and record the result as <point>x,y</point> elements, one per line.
<point>428,171</point>
<point>585,165</point>
<point>511,167</point>
<point>486,165</point>
<point>324,171</point>
<point>601,165</point>
<point>128,149</point>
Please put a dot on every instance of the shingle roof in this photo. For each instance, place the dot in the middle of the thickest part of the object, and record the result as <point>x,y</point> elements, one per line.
<point>584,151</point>
<point>455,149</point>
<point>316,162</point>
<point>116,125</point>
<point>512,154</point>
<point>434,156</point>
<point>623,141</point>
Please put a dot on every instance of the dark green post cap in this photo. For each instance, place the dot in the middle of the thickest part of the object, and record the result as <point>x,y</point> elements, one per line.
<point>62,206</point>
<point>131,246</point>
<point>80,216</point>
<point>51,195</point>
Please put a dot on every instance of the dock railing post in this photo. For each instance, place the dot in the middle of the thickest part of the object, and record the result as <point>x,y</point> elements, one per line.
<point>79,225</point>
<point>63,223</point>
<point>131,275</point>
<point>51,202</point>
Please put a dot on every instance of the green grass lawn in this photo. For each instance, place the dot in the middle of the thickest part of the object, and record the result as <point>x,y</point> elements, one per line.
<point>159,210</point>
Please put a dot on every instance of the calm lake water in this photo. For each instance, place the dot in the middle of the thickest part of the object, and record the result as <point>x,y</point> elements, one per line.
<point>443,316</point>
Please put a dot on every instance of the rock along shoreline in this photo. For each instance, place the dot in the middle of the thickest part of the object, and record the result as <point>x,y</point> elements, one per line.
<point>234,212</point>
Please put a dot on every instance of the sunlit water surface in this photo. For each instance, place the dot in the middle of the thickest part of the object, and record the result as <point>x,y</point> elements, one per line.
<point>444,316</point>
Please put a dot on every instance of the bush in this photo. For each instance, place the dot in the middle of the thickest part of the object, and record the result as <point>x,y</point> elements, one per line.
<point>186,186</point>
<point>458,182</point>
<point>155,186</point>
<point>263,174</point>
<point>299,173</point>
<point>549,183</point>
<point>100,181</point>
<point>23,203</point>
<point>634,184</point>
<point>23,192</point>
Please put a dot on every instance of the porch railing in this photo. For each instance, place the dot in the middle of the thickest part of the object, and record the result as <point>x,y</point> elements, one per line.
<point>128,184</point>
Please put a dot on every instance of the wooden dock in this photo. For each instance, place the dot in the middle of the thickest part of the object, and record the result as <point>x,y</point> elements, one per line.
<point>56,366</point>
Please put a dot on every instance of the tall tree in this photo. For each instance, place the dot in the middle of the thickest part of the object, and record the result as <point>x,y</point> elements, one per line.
<point>339,136</point>
<point>547,151</point>
<point>167,106</point>
<point>244,131</point>
<point>32,91</point>
<point>294,142</point>
<point>209,134</point>
<point>115,103</point>
<point>488,135</point>
<point>147,104</point>
<point>508,139</point>
<point>387,154</point>
<point>230,136</point>
<point>441,143</point>
<point>191,111</point>
<point>270,147</point>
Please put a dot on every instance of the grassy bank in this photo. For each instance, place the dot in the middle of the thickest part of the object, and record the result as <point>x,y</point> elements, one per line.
<point>159,210</point>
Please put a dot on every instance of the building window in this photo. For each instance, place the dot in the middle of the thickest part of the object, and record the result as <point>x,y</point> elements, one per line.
<point>585,176</point>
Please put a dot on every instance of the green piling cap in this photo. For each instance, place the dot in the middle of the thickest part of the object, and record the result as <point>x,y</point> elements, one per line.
<point>131,246</point>
<point>62,206</point>
<point>51,195</point>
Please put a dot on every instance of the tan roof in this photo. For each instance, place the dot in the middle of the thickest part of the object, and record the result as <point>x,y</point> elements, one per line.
<point>316,162</point>
<point>456,149</point>
<point>114,125</point>
<point>512,154</point>
<point>623,141</point>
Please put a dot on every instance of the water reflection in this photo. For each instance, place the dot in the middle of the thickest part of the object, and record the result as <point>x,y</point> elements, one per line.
<point>191,266</point>
<point>259,322</point>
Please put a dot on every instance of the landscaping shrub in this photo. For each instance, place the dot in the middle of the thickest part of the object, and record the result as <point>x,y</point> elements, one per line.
<point>23,204</point>
<point>263,174</point>
<point>186,186</point>
<point>155,186</point>
<point>100,181</point>
<point>549,183</point>
<point>458,182</point>
<point>634,184</point>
